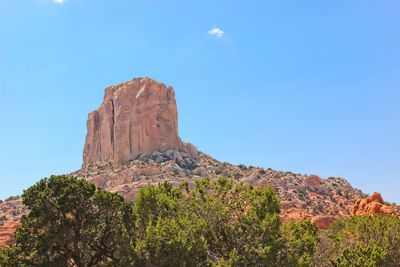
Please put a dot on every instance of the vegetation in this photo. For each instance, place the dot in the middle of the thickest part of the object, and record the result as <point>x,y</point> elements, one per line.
<point>210,223</point>
<point>10,198</point>
<point>361,241</point>
<point>301,239</point>
<point>71,223</point>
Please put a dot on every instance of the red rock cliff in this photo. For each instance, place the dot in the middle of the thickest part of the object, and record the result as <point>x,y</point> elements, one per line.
<point>136,117</point>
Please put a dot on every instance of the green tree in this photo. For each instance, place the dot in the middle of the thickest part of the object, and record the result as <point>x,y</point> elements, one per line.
<point>166,235</point>
<point>71,223</point>
<point>9,257</point>
<point>371,239</point>
<point>301,239</point>
<point>215,223</point>
<point>370,256</point>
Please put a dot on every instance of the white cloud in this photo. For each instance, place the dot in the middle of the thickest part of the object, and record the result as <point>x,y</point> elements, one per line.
<point>216,31</point>
<point>59,1</point>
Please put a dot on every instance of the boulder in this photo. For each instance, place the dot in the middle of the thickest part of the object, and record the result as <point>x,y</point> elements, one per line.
<point>373,204</point>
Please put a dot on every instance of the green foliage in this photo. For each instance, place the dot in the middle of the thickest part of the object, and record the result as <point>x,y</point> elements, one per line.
<point>172,242</point>
<point>370,256</point>
<point>301,239</point>
<point>154,202</point>
<point>208,223</point>
<point>242,167</point>
<point>166,235</point>
<point>12,198</point>
<point>71,223</point>
<point>373,240</point>
<point>9,257</point>
<point>214,223</point>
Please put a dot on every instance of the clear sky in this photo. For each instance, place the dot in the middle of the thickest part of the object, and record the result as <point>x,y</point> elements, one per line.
<point>302,86</point>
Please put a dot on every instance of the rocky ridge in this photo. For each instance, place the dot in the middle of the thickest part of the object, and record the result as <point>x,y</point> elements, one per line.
<point>133,141</point>
<point>302,196</point>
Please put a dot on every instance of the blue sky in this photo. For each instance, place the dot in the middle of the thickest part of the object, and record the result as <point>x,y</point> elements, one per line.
<point>302,86</point>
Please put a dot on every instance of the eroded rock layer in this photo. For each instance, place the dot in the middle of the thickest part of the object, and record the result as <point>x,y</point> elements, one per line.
<point>136,117</point>
<point>133,141</point>
<point>7,233</point>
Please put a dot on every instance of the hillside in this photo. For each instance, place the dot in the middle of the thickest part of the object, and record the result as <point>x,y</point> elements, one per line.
<point>133,141</point>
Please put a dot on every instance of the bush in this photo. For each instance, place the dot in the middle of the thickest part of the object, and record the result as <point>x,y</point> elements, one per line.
<point>369,239</point>
<point>215,223</point>
<point>301,239</point>
<point>242,167</point>
<point>361,257</point>
<point>12,198</point>
<point>210,223</point>
<point>70,223</point>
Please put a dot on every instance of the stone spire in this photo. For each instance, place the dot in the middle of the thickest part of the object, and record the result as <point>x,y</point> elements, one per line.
<point>136,117</point>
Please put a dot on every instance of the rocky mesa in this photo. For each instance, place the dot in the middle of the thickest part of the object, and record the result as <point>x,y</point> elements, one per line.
<point>135,118</point>
<point>133,140</point>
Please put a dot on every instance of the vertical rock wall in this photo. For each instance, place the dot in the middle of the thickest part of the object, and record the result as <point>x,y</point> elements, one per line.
<point>136,117</point>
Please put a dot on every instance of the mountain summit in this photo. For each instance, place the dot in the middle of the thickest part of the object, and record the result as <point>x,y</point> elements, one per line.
<point>136,117</point>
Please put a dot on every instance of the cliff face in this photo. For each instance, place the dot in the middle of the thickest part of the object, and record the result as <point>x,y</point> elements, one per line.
<point>136,117</point>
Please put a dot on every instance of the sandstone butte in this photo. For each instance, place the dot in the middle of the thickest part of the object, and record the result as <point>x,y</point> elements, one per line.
<point>133,140</point>
<point>136,117</point>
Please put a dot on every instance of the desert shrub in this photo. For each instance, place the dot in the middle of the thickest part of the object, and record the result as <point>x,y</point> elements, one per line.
<point>301,239</point>
<point>9,257</point>
<point>372,240</point>
<point>209,223</point>
<point>362,256</point>
<point>70,223</point>
<point>215,223</point>
<point>12,198</point>
<point>219,170</point>
<point>242,167</point>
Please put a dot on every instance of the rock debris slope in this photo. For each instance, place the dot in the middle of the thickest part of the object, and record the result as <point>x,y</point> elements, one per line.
<point>132,141</point>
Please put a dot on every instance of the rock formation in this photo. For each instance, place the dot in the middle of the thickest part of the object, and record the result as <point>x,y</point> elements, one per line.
<point>133,141</point>
<point>135,118</point>
<point>373,204</point>
<point>7,232</point>
<point>323,221</point>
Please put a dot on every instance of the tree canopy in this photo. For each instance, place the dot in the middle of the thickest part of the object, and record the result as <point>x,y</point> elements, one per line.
<point>70,223</point>
<point>361,241</point>
<point>204,223</point>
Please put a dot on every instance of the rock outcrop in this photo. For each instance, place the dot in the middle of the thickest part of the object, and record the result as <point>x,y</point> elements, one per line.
<point>133,141</point>
<point>7,232</point>
<point>373,204</point>
<point>137,117</point>
<point>323,221</point>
